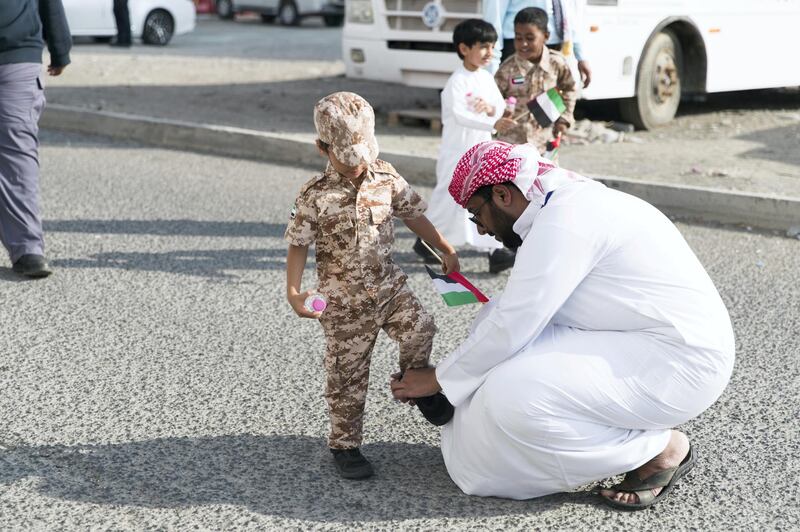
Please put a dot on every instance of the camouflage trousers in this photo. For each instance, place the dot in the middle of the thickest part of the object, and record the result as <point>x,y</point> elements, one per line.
<point>350,333</point>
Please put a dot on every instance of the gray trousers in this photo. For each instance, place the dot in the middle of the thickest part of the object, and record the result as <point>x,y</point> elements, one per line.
<point>21,104</point>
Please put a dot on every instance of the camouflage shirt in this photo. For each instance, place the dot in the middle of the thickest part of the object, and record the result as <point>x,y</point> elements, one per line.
<point>353,231</point>
<point>525,80</point>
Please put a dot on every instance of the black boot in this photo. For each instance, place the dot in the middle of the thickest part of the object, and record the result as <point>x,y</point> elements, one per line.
<point>501,259</point>
<point>436,408</point>
<point>351,463</point>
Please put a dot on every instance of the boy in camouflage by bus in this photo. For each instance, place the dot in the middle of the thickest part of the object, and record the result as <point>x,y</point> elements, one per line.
<point>533,69</point>
<point>347,211</point>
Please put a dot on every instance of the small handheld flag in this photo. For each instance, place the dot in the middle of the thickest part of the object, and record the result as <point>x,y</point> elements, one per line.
<point>455,289</point>
<point>551,150</point>
<point>547,107</point>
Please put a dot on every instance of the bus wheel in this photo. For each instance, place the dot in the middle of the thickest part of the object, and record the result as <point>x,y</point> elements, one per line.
<point>658,84</point>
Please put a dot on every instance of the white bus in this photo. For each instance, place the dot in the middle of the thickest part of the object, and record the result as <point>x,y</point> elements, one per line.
<point>646,53</point>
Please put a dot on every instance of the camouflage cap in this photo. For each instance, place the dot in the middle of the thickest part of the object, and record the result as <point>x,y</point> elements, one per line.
<point>346,122</point>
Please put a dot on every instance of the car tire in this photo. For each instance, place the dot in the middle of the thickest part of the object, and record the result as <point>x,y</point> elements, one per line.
<point>159,26</point>
<point>267,19</point>
<point>658,84</point>
<point>288,14</point>
<point>333,20</point>
<point>225,9</point>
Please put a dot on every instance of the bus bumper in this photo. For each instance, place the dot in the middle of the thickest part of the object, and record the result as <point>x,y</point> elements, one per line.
<point>374,60</point>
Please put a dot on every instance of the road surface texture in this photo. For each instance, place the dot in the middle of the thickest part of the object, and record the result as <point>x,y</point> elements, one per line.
<point>159,380</point>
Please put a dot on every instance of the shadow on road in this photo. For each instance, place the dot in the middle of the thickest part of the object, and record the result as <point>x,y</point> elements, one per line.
<point>762,99</point>
<point>212,263</point>
<point>779,144</point>
<point>285,476</point>
<point>167,227</point>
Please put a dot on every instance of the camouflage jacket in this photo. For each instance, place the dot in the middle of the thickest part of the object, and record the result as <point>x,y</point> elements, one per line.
<point>525,80</point>
<point>353,231</point>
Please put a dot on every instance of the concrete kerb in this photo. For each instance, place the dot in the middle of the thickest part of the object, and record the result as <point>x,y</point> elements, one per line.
<point>705,204</point>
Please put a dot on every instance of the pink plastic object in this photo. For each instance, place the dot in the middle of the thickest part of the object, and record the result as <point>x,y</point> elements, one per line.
<point>315,303</point>
<point>511,103</point>
<point>471,101</point>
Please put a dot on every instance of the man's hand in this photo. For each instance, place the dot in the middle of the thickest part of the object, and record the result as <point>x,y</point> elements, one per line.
<point>55,70</point>
<point>560,126</point>
<point>482,106</point>
<point>504,124</point>
<point>415,383</point>
<point>586,73</point>
<point>297,301</point>
<point>450,263</point>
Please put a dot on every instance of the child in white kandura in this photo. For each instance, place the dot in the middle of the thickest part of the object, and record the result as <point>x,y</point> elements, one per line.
<point>472,108</point>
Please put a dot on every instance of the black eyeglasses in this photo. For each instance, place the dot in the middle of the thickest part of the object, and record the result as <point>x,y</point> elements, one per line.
<point>474,217</point>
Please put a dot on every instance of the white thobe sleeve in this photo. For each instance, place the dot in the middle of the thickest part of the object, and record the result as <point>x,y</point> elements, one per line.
<point>456,99</point>
<point>550,264</point>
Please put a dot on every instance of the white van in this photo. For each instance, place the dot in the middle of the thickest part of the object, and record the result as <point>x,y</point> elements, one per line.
<point>287,12</point>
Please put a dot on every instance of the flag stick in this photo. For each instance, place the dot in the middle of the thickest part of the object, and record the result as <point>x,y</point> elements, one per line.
<point>521,116</point>
<point>432,251</point>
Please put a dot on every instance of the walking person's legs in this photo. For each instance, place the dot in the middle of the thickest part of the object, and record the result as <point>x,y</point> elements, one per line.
<point>21,104</point>
<point>123,20</point>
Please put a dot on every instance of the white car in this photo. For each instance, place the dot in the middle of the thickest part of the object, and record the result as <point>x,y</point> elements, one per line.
<point>288,12</point>
<point>155,21</point>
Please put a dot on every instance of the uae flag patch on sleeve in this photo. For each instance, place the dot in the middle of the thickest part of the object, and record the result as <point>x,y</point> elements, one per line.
<point>547,107</point>
<point>455,289</point>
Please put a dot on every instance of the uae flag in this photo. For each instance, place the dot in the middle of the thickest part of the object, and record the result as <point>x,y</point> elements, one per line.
<point>455,289</point>
<point>547,107</point>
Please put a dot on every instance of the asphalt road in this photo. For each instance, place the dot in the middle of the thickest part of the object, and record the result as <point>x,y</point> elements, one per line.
<point>158,380</point>
<point>244,38</point>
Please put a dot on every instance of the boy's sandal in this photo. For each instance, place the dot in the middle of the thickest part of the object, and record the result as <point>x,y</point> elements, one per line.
<point>642,488</point>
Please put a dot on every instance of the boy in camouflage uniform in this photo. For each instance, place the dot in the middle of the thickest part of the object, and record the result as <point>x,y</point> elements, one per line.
<point>532,70</point>
<point>347,211</point>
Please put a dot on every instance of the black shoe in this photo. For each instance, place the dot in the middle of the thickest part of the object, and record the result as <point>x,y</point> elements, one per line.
<point>33,266</point>
<point>351,463</point>
<point>436,408</point>
<point>501,259</point>
<point>422,251</point>
<point>121,44</point>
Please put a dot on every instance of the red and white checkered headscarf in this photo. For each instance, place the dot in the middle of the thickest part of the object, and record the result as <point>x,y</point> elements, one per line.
<point>494,162</point>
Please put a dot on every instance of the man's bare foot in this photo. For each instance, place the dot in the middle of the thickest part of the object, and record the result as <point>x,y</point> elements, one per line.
<point>675,452</point>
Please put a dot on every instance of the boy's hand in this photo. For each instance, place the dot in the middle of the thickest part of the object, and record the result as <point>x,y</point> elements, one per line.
<point>504,124</point>
<point>450,263</point>
<point>561,126</point>
<point>297,301</point>
<point>481,106</point>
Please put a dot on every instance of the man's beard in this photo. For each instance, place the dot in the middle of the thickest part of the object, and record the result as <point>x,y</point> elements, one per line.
<point>504,224</point>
